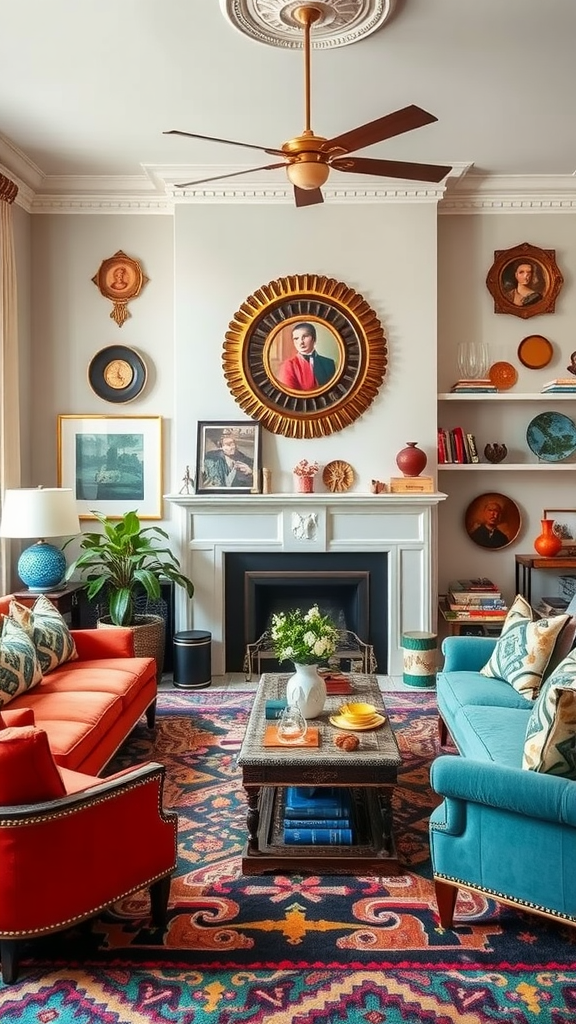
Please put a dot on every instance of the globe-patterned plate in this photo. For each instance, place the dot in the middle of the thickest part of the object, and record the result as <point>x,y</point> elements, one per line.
<point>551,436</point>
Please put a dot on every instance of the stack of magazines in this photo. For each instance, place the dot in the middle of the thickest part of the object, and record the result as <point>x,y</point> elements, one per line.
<point>475,598</point>
<point>318,816</point>
<point>562,385</point>
<point>481,385</point>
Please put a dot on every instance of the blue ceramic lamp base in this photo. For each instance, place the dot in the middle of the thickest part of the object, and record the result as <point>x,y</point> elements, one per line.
<point>42,567</point>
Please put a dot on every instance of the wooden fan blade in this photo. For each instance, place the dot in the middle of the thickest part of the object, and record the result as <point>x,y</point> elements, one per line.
<point>391,168</point>
<point>227,142</point>
<point>233,174</point>
<point>307,196</point>
<point>386,127</point>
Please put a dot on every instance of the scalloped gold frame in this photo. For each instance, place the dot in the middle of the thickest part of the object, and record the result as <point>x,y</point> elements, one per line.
<point>359,375</point>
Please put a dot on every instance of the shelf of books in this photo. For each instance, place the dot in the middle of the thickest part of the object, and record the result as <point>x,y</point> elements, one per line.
<point>558,395</point>
<point>476,603</point>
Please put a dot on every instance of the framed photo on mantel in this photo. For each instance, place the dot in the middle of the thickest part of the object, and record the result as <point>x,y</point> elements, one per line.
<point>228,457</point>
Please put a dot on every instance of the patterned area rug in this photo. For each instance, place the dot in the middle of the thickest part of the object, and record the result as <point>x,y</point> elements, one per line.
<point>299,948</point>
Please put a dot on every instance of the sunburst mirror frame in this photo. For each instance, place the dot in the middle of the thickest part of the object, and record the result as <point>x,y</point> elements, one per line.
<point>361,365</point>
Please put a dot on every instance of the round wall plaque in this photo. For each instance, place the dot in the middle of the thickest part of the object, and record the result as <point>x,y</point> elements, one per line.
<point>117,374</point>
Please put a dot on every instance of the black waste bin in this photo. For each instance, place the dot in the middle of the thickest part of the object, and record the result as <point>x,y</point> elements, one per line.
<point>192,650</point>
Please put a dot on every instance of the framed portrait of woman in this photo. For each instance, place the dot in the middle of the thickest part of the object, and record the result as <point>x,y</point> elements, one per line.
<point>524,281</point>
<point>305,355</point>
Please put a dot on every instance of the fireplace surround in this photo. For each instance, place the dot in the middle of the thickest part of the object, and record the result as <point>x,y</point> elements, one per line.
<point>402,527</point>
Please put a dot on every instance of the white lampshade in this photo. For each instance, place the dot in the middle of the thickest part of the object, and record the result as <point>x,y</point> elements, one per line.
<point>39,512</point>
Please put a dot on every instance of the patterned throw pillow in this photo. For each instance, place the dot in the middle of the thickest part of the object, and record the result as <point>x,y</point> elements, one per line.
<point>550,744</point>
<point>19,666</point>
<point>524,648</point>
<point>50,634</point>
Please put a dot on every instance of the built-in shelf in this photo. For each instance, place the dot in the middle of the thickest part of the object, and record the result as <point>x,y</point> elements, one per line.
<point>507,466</point>
<point>507,396</point>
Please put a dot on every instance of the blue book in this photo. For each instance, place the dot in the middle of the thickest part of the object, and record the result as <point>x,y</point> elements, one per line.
<point>318,836</point>
<point>323,803</point>
<point>273,709</point>
<point>317,823</point>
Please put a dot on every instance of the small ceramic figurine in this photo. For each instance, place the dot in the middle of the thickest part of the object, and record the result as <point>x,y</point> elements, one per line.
<point>187,482</point>
<point>495,452</point>
<point>377,486</point>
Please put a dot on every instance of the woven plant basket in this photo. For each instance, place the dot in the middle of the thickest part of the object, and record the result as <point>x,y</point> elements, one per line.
<point>149,637</point>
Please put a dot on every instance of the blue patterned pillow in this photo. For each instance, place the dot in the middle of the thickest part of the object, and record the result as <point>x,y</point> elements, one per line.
<point>550,744</point>
<point>48,631</point>
<point>524,648</point>
<point>19,666</point>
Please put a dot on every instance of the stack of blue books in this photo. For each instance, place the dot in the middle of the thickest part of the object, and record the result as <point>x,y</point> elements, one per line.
<point>318,816</point>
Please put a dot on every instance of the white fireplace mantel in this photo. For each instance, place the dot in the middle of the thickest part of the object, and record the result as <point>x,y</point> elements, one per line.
<point>402,525</point>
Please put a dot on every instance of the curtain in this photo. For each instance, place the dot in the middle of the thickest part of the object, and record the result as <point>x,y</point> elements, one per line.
<point>9,366</point>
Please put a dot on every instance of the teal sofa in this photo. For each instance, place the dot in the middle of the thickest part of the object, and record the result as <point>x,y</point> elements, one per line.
<point>501,830</point>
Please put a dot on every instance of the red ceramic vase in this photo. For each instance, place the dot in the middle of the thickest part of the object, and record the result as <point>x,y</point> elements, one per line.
<point>547,544</point>
<point>411,460</point>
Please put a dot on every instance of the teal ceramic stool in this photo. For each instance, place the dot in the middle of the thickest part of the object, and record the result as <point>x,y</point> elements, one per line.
<point>420,658</point>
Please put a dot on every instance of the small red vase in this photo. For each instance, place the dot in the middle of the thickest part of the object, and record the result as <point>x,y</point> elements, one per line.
<point>411,460</point>
<point>304,484</point>
<point>547,543</point>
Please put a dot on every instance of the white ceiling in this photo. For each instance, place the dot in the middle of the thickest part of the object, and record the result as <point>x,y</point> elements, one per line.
<point>88,86</point>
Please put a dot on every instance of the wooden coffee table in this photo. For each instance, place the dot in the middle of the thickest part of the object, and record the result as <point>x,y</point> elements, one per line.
<point>370,773</point>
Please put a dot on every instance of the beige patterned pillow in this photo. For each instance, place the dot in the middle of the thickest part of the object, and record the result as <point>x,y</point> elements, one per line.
<point>19,666</point>
<point>524,648</point>
<point>48,631</point>
<point>550,744</point>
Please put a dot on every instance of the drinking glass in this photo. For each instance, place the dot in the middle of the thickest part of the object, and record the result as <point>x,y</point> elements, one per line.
<point>473,359</point>
<point>292,725</point>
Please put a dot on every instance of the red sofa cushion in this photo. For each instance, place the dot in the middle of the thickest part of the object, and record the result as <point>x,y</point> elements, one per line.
<point>28,773</point>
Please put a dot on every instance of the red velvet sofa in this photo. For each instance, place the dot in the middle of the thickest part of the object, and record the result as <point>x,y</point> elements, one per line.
<point>88,707</point>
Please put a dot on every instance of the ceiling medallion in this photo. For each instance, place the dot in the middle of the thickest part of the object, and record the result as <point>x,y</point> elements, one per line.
<point>305,355</point>
<point>341,22</point>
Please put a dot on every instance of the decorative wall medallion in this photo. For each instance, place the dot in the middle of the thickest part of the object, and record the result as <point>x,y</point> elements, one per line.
<point>120,279</point>
<point>305,355</point>
<point>117,374</point>
<point>524,281</point>
<point>341,21</point>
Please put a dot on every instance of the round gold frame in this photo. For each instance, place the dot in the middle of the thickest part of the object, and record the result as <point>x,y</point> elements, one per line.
<point>326,409</point>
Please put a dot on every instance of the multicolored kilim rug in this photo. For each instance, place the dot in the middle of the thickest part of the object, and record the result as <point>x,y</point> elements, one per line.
<point>299,948</point>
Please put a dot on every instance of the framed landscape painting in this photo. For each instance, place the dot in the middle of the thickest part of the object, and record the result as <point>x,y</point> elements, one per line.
<point>112,463</point>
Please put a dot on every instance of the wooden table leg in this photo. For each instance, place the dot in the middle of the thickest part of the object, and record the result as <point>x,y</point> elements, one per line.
<point>253,818</point>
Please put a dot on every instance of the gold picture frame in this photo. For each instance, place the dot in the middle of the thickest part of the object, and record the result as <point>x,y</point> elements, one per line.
<point>524,281</point>
<point>344,336</point>
<point>113,464</point>
<point>120,278</point>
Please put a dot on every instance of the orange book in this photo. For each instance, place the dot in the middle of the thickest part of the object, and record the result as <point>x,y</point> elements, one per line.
<point>271,738</point>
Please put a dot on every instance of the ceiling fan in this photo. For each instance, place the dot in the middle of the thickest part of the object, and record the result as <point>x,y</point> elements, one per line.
<point>309,158</point>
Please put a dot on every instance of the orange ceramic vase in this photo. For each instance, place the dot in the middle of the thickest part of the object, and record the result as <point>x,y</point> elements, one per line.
<point>547,544</point>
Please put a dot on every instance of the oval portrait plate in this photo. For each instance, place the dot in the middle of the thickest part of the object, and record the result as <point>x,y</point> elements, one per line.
<point>551,436</point>
<point>535,351</point>
<point>492,520</point>
<point>117,374</point>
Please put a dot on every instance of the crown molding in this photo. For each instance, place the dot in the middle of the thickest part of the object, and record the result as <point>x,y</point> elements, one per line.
<point>535,193</point>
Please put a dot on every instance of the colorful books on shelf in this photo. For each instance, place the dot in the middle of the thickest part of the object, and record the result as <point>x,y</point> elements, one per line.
<point>480,385</point>
<point>464,614</point>
<point>456,446</point>
<point>478,586</point>
<point>478,597</point>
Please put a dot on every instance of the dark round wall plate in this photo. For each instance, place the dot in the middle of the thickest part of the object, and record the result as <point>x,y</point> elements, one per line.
<point>117,374</point>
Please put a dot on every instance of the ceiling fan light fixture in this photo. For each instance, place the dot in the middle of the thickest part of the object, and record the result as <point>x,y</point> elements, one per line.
<point>308,175</point>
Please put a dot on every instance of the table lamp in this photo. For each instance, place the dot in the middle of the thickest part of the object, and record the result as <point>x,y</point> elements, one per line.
<point>40,512</point>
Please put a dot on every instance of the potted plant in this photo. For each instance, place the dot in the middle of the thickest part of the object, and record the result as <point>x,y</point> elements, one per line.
<point>119,562</point>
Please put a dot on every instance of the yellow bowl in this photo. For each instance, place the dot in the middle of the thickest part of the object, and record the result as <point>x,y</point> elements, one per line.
<point>358,712</point>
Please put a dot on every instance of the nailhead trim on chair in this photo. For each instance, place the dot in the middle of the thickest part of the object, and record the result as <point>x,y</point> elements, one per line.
<point>513,900</point>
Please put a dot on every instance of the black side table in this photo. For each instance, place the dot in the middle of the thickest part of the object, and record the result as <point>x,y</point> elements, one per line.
<point>192,650</point>
<point>66,599</point>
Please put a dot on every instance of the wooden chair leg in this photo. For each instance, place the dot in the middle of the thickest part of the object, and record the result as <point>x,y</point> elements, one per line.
<point>9,949</point>
<point>151,715</point>
<point>442,731</point>
<point>159,893</point>
<point>446,893</point>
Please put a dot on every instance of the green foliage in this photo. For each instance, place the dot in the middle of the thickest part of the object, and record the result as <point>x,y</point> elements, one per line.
<point>306,638</point>
<point>117,562</point>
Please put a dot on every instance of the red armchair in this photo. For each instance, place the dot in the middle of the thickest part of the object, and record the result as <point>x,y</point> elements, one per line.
<point>71,844</point>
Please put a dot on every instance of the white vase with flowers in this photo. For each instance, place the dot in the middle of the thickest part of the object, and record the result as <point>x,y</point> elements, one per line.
<point>307,639</point>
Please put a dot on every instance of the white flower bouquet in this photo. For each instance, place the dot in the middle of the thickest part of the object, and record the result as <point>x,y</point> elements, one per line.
<point>306,638</point>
